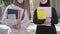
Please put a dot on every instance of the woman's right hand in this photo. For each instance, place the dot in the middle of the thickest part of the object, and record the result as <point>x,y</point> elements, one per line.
<point>17,26</point>
<point>18,21</point>
<point>46,23</point>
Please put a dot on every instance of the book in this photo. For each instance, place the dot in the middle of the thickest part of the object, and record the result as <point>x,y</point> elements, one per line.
<point>13,14</point>
<point>43,12</point>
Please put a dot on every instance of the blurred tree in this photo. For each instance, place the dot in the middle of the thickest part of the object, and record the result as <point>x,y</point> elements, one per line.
<point>7,2</point>
<point>0,2</point>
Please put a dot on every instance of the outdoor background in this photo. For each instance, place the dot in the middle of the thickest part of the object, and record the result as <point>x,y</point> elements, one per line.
<point>33,4</point>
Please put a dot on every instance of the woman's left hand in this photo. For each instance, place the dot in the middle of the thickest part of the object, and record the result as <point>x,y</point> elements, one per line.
<point>48,20</point>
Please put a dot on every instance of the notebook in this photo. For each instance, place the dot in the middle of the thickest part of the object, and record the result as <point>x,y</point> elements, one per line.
<point>43,12</point>
<point>13,14</point>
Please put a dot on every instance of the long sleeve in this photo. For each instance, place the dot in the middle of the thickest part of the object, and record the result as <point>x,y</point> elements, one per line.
<point>35,20</point>
<point>6,21</point>
<point>25,23</point>
<point>54,16</point>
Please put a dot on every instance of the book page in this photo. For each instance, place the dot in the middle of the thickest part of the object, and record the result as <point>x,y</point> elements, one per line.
<point>11,16</point>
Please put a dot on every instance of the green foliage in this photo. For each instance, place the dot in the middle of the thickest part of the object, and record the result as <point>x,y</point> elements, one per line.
<point>59,16</point>
<point>7,2</point>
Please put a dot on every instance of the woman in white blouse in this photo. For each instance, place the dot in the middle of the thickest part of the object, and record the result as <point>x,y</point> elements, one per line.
<point>17,26</point>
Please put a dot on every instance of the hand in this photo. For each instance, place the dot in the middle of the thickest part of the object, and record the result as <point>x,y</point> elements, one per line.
<point>48,20</point>
<point>46,23</point>
<point>18,21</point>
<point>17,26</point>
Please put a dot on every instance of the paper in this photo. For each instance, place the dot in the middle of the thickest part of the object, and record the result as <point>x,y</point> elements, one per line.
<point>12,16</point>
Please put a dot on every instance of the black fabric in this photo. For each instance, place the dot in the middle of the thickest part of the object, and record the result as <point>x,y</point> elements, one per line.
<point>54,19</point>
<point>45,5</point>
<point>46,30</point>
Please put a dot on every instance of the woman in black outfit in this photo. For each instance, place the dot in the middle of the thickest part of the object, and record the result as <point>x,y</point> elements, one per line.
<point>42,29</point>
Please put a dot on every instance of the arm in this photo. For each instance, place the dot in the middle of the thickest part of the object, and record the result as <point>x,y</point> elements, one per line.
<point>54,16</point>
<point>35,18</point>
<point>25,22</point>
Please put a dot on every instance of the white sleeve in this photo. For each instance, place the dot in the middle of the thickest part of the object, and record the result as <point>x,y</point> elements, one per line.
<point>6,21</point>
<point>26,21</point>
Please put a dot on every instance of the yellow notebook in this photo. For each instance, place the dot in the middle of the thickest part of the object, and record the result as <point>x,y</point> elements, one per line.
<point>41,14</point>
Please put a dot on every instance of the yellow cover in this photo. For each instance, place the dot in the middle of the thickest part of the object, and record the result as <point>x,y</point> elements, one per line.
<point>41,14</point>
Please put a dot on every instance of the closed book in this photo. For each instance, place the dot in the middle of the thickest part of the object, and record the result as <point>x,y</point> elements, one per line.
<point>13,14</point>
<point>43,12</point>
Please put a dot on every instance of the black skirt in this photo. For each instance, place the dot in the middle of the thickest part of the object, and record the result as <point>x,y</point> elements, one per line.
<point>46,30</point>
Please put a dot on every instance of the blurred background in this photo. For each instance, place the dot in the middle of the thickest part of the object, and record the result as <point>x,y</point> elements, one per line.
<point>32,6</point>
